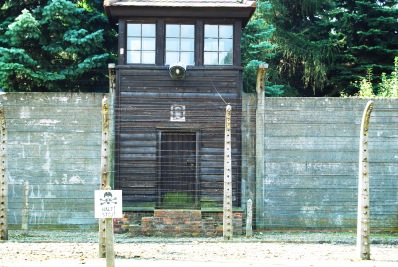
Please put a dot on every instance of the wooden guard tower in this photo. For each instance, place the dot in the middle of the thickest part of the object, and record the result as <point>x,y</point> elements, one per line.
<point>179,64</point>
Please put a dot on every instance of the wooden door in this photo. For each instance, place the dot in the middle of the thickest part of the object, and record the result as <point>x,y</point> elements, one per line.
<point>178,179</point>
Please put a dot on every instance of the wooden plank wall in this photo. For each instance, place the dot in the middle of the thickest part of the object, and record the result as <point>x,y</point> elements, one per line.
<point>143,105</point>
<point>311,163</point>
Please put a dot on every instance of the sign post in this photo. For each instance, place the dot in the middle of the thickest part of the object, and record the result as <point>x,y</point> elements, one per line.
<point>108,205</point>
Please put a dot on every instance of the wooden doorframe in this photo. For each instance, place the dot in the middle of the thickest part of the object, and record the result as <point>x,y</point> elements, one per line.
<point>197,133</point>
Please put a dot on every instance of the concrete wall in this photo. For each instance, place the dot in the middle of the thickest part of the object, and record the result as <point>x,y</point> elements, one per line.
<point>311,159</point>
<point>54,143</point>
<point>311,163</point>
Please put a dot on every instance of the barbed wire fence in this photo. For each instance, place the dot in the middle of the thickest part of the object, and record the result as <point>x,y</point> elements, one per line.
<point>53,162</point>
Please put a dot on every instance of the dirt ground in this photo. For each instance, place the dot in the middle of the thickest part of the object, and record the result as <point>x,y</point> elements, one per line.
<point>279,250</point>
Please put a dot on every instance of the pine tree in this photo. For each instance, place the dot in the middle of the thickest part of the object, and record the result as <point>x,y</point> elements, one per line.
<point>323,46</point>
<point>19,67</point>
<point>368,38</point>
<point>304,52</point>
<point>58,46</point>
<point>10,9</point>
<point>257,49</point>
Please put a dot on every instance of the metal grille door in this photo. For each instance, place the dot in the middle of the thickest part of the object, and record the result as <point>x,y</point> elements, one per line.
<point>178,183</point>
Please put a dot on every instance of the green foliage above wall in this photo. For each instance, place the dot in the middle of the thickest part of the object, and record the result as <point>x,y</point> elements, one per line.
<point>55,45</point>
<point>386,88</point>
<point>321,47</point>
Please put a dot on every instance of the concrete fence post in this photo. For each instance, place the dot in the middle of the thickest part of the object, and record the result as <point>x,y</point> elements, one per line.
<point>112,90</point>
<point>25,210</point>
<point>3,179</point>
<point>105,180</point>
<point>227,210</point>
<point>363,220</point>
<point>249,219</point>
<point>260,144</point>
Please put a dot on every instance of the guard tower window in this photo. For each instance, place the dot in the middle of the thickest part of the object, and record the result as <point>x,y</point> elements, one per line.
<point>180,44</point>
<point>218,44</point>
<point>141,43</point>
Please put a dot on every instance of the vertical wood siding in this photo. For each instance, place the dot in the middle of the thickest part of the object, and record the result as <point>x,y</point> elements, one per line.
<point>144,100</point>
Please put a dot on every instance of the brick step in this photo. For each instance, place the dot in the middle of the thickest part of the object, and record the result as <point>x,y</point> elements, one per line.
<point>194,215</point>
<point>173,223</point>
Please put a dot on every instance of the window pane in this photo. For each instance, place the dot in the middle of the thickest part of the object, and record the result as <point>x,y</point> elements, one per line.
<point>141,43</point>
<point>218,44</point>
<point>226,31</point>
<point>133,57</point>
<point>148,44</point>
<point>187,44</point>
<point>172,44</point>
<point>211,31</point>
<point>148,30</point>
<point>148,57</point>
<point>180,44</point>
<point>172,58</point>
<point>172,30</point>
<point>133,29</point>
<point>211,58</point>
<point>134,44</point>
<point>225,45</point>
<point>187,58</point>
<point>225,58</point>
<point>211,45</point>
<point>188,31</point>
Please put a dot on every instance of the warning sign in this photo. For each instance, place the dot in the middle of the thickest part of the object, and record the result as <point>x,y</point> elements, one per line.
<point>108,204</point>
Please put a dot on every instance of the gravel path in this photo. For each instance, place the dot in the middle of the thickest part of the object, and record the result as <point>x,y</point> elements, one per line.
<point>295,249</point>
